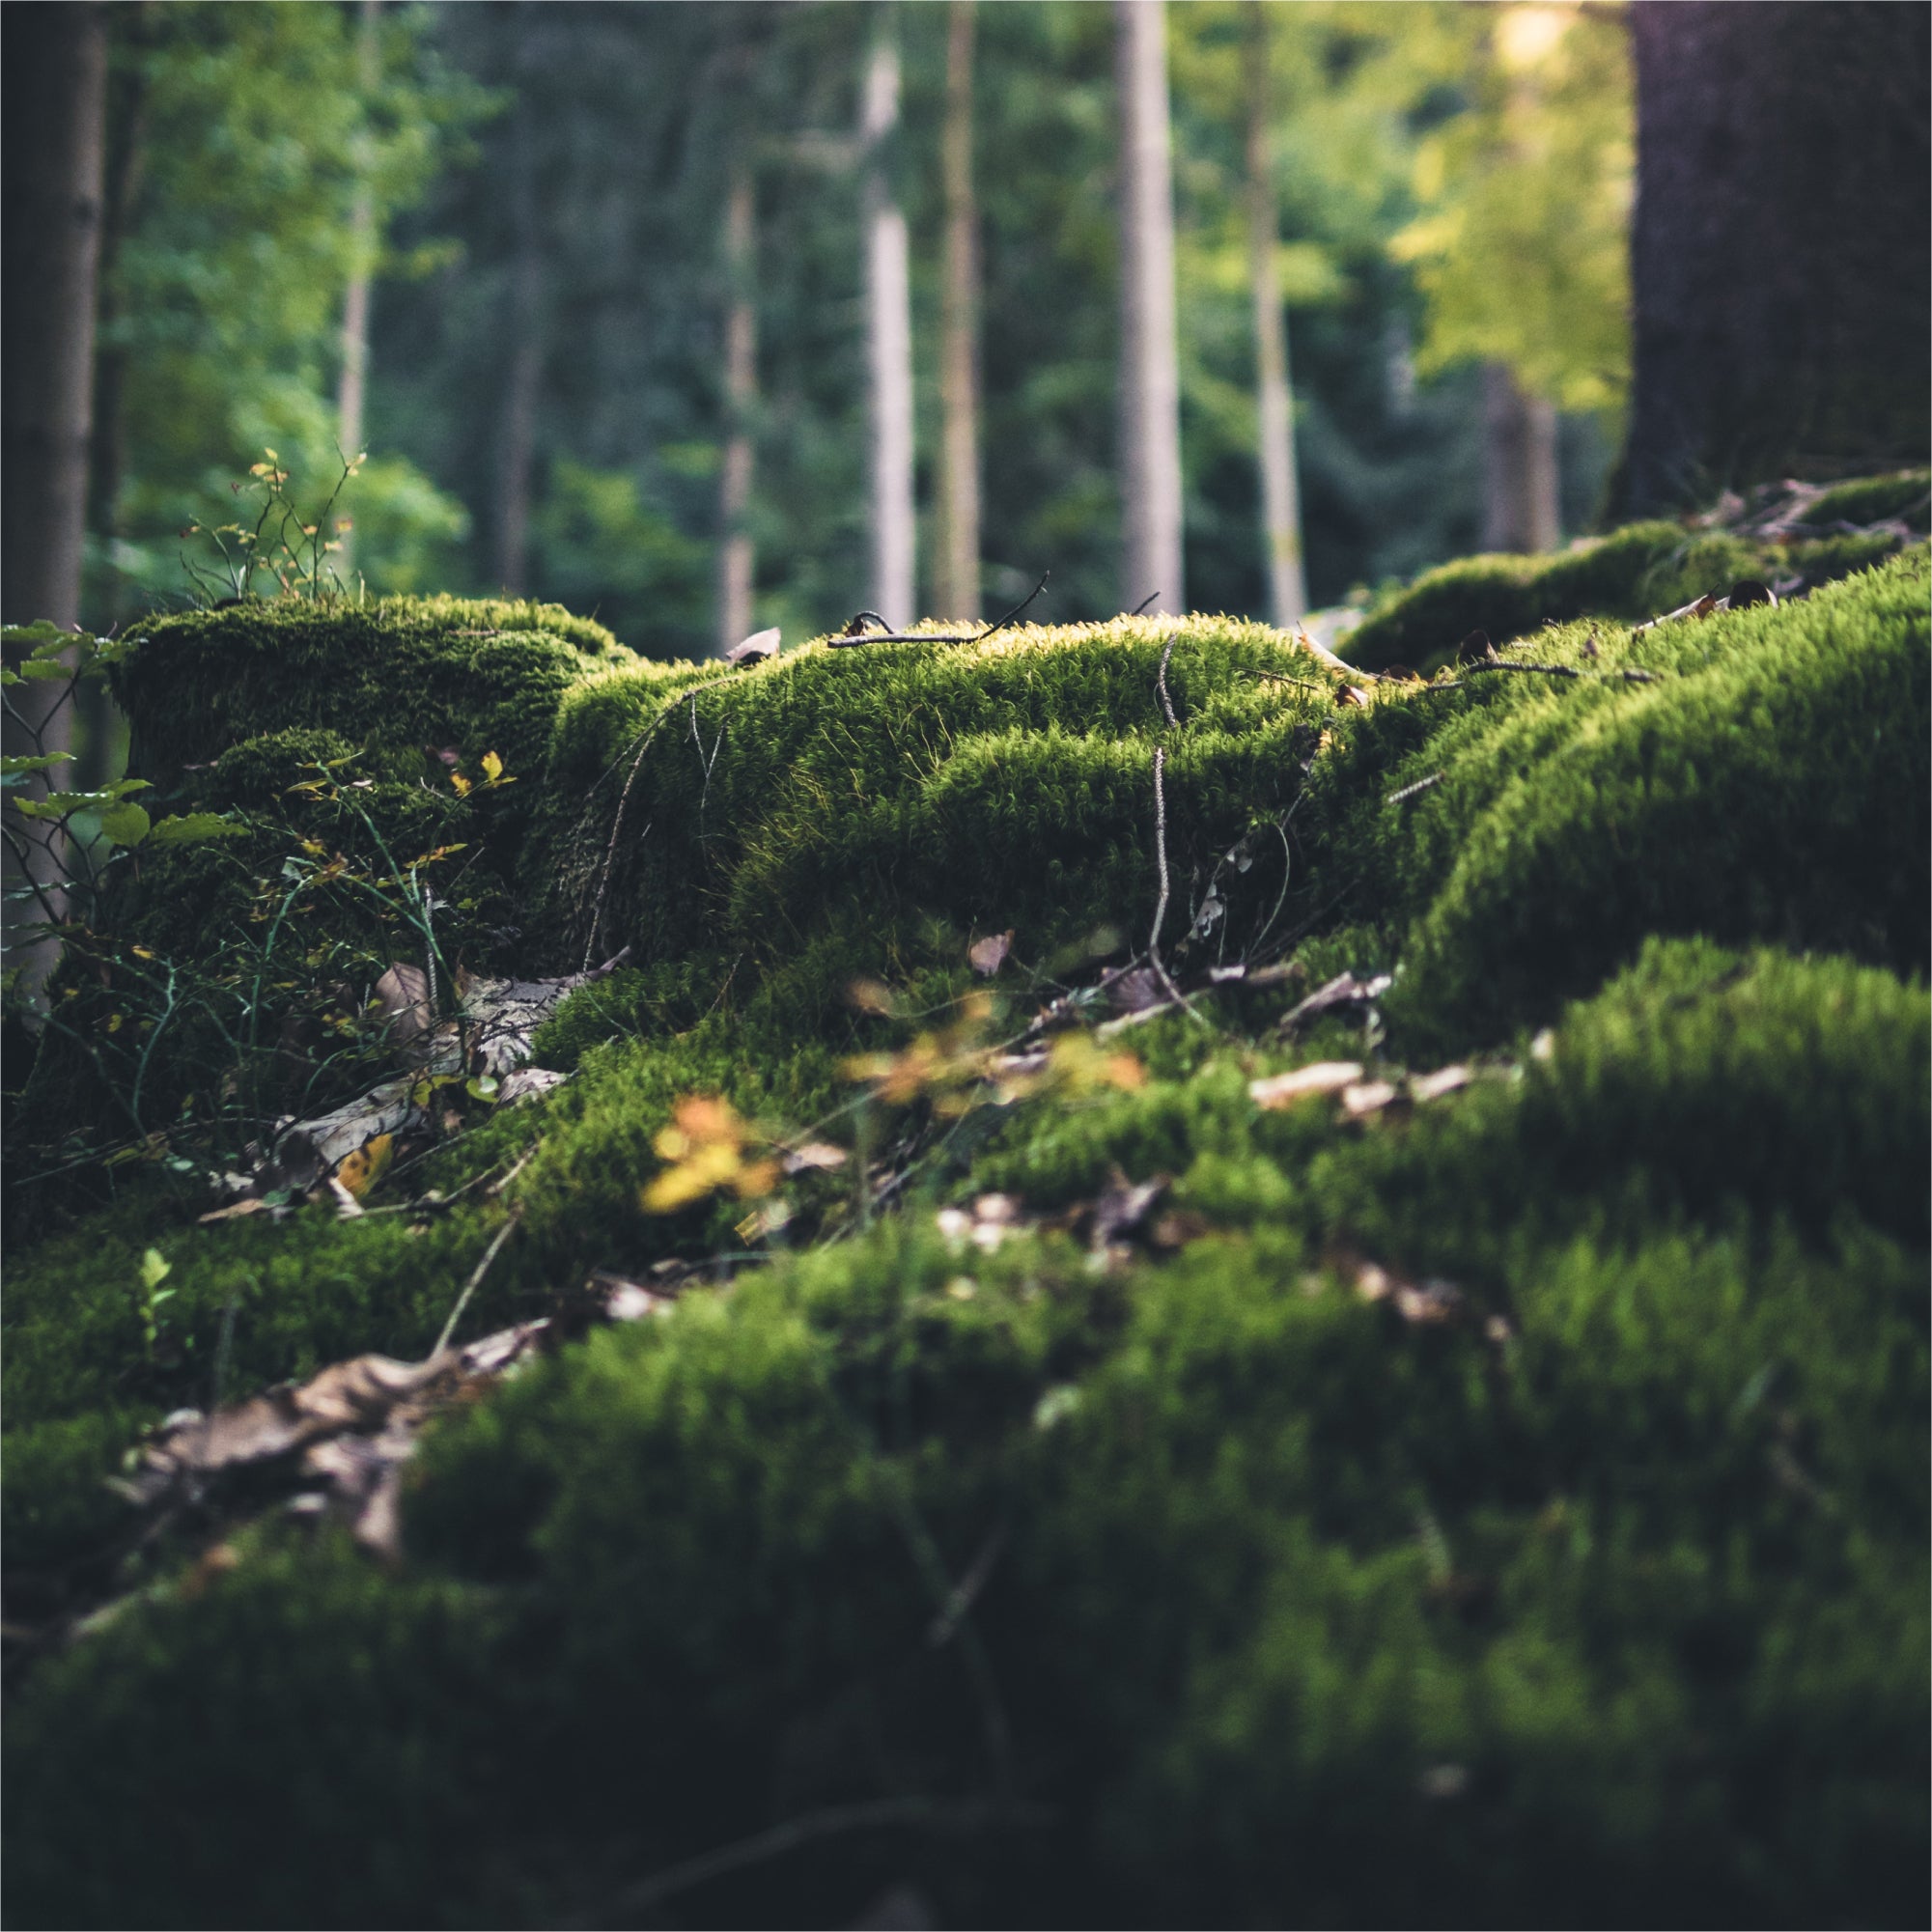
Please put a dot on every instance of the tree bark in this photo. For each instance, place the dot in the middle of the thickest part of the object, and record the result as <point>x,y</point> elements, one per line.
<point>1150,385</point>
<point>957,589</point>
<point>888,334</point>
<point>350,388</point>
<point>1520,479</point>
<point>740,393</point>
<point>1280,501</point>
<point>1780,258</point>
<point>517,444</point>
<point>55,65</point>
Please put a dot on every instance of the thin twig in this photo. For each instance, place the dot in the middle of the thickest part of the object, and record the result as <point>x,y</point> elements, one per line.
<point>1410,791</point>
<point>475,1281</point>
<point>1161,681</point>
<point>934,637</point>
<point>829,1822</point>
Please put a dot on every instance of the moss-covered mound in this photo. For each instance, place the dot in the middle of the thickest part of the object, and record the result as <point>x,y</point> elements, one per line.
<point>1645,568</point>
<point>1096,1493</point>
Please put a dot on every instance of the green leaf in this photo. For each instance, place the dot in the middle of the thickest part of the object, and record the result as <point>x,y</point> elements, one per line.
<point>124,823</point>
<point>194,828</point>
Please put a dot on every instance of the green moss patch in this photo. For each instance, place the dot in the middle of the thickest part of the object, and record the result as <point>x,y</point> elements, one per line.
<point>1072,1487</point>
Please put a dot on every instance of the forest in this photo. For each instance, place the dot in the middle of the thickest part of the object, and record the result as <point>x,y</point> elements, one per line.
<point>965,964</point>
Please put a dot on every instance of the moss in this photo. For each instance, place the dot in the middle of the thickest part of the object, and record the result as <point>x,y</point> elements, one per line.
<point>399,674</point>
<point>1599,1597</point>
<point>1635,573</point>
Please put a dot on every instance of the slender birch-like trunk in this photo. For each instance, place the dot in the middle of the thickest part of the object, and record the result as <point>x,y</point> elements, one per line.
<point>1520,479</point>
<point>354,379</point>
<point>741,392</point>
<point>958,587</point>
<point>1150,381</point>
<point>888,334</point>
<point>517,443</point>
<point>1280,497</point>
<point>353,384</point>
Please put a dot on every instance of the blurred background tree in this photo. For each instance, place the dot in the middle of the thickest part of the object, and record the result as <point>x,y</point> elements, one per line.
<point>595,274</point>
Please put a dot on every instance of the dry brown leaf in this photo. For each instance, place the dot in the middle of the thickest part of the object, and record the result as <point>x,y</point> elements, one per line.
<point>755,649</point>
<point>1324,1076</point>
<point>989,954</point>
<point>1369,1097</point>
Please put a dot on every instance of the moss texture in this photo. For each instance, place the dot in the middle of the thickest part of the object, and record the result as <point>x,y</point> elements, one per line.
<point>1582,1580</point>
<point>1633,574</point>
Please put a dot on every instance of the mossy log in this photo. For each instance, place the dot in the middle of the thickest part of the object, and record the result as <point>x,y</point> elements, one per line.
<point>1499,1496</point>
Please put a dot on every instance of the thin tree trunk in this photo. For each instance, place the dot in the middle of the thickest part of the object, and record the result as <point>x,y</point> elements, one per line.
<point>889,335</point>
<point>1280,501</point>
<point>1520,479</point>
<point>958,590</point>
<point>53,110</point>
<point>1150,400</point>
<point>517,443</point>
<point>740,391</point>
<point>354,378</point>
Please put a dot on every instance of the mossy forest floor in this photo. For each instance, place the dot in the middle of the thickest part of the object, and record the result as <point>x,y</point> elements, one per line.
<point>1057,1471</point>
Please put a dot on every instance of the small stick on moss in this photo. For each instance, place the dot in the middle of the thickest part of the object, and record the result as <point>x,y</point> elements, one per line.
<point>475,1281</point>
<point>1410,791</point>
<point>1161,681</point>
<point>1153,959</point>
<point>830,1821</point>
<point>846,643</point>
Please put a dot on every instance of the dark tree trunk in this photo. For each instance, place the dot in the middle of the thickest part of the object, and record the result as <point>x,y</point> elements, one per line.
<point>1782,268</point>
<point>54,60</point>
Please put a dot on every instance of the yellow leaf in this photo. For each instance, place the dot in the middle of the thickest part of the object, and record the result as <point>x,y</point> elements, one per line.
<point>361,1170</point>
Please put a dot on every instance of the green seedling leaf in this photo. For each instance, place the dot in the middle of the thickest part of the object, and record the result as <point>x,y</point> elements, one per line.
<point>194,829</point>
<point>124,823</point>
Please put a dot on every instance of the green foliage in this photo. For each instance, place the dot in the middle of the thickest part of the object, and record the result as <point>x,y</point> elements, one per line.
<point>1522,247</point>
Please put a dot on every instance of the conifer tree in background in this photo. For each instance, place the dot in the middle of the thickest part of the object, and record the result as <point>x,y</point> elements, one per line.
<point>1280,497</point>
<point>889,331</point>
<point>957,577</point>
<point>1150,376</point>
<point>736,556</point>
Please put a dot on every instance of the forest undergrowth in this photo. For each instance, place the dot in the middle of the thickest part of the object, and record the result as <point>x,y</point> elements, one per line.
<point>1144,1276</point>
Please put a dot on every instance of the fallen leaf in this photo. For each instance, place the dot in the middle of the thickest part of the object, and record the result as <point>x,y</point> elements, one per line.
<point>815,1157</point>
<point>1346,989</point>
<point>760,645</point>
<point>1324,1076</point>
<point>989,954</point>
<point>362,1169</point>
<point>1369,1097</point>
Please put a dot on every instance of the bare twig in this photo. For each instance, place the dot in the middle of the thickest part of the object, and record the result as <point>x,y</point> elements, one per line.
<point>846,643</point>
<point>475,1281</point>
<point>1161,681</point>
<point>1410,791</point>
<point>831,1821</point>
